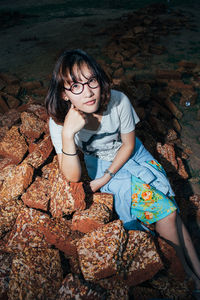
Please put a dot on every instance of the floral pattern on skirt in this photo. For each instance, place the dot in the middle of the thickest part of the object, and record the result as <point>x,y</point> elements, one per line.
<point>149,204</point>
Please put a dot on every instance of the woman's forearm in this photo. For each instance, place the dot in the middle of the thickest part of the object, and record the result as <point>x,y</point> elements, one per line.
<point>68,162</point>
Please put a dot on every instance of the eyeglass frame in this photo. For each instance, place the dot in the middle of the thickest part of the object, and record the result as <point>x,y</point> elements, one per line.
<point>83,84</point>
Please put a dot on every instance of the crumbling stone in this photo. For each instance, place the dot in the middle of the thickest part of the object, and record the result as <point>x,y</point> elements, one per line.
<point>100,251</point>
<point>74,287</point>
<point>32,127</point>
<point>65,197</point>
<point>17,180</point>
<point>90,219</point>
<point>36,196</point>
<point>13,145</point>
<point>35,274</point>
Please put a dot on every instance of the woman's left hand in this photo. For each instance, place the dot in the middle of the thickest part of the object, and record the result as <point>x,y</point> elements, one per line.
<point>96,184</point>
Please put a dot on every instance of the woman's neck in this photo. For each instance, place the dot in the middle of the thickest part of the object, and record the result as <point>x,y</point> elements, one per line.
<point>94,121</point>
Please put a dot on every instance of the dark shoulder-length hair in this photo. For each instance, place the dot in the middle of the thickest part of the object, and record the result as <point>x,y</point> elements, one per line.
<point>56,106</point>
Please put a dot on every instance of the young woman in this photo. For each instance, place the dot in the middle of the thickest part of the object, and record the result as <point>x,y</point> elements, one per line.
<point>86,113</point>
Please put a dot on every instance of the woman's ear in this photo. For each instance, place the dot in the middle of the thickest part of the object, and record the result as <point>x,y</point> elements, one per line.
<point>64,96</point>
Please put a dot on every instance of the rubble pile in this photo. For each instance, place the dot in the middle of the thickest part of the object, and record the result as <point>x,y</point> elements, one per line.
<point>59,241</point>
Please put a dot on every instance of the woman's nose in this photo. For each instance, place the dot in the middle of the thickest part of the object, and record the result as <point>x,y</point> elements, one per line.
<point>88,92</point>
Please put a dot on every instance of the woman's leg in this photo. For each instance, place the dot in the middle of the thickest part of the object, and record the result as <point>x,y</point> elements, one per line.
<point>167,228</point>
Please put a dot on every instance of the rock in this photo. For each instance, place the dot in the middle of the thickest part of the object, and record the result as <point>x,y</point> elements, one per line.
<point>9,212</point>
<point>40,152</point>
<point>36,196</point>
<point>31,85</point>
<point>31,127</point>
<point>16,181</point>
<point>25,232</point>
<point>168,74</point>
<point>172,107</point>
<point>141,260</point>
<point>5,268</point>
<point>103,198</point>
<point>10,118</point>
<point>65,197</point>
<point>90,219</point>
<point>9,78</point>
<point>100,251</point>
<point>35,273</point>
<point>188,98</point>
<point>3,105</point>
<point>13,145</point>
<point>74,287</point>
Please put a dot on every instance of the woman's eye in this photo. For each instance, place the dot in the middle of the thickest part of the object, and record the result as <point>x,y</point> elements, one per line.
<point>75,87</point>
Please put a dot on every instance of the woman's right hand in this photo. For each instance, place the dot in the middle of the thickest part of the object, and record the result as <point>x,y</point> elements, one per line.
<point>75,120</point>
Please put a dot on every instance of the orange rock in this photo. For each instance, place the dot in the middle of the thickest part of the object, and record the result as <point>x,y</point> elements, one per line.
<point>35,272</point>
<point>5,268</point>
<point>13,145</point>
<point>3,131</point>
<point>90,219</point>
<point>171,135</point>
<point>40,153</point>
<point>26,231</point>
<point>172,107</point>
<point>4,162</point>
<point>31,85</point>
<point>118,73</point>
<point>10,118</point>
<point>181,169</point>
<point>10,209</point>
<point>31,126</point>
<point>3,105</point>
<point>17,180</point>
<point>103,198</point>
<point>36,196</point>
<point>9,78</point>
<point>65,197</point>
<point>167,154</point>
<point>168,74</point>
<point>11,101</point>
<point>141,260</point>
<point>187,64</point>
<point>48,168</point>
<point>188,98</point>
<point>100,251</point>
<point>12,89</point>
<point>77,288</point>
<point>179,85</point>
<point>57,232</point>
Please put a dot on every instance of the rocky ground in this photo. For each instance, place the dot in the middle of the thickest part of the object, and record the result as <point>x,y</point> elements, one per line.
<point>152,55</point>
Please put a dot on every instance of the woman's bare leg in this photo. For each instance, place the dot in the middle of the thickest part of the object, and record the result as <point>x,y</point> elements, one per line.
<point>167,228</point>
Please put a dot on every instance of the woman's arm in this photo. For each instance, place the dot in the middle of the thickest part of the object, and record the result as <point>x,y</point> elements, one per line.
<point>70,164</point>
<point>125,151</point>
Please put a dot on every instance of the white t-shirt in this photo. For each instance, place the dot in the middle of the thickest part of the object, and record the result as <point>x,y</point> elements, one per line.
<point>119,117</point>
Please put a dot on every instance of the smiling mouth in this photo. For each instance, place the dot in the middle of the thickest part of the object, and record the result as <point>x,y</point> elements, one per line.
<point>90,102</point>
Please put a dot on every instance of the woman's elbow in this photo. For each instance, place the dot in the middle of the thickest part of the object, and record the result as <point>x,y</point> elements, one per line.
<point>72,177</point>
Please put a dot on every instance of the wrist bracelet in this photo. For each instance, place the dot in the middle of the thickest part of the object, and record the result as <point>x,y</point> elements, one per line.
<point>69,154</point>
<point>108,172</point>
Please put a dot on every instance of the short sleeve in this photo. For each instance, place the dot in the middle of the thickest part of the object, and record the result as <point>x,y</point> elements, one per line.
<point>56,135</point>
<point>127,115</point>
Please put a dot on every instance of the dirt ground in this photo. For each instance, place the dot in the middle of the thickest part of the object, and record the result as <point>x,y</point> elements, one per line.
<point>32,36</point>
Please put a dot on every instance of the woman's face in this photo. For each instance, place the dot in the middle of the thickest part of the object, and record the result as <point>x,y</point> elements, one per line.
<point>88,100</point>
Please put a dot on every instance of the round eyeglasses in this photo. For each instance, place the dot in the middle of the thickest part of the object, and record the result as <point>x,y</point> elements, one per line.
<point>78,87</point>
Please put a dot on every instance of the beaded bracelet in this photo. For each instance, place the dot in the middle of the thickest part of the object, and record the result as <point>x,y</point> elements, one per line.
<point>108,172</point>
<point>69,154</point>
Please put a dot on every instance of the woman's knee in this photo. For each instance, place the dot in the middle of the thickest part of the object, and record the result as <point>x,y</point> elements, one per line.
<point>169,219</point>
